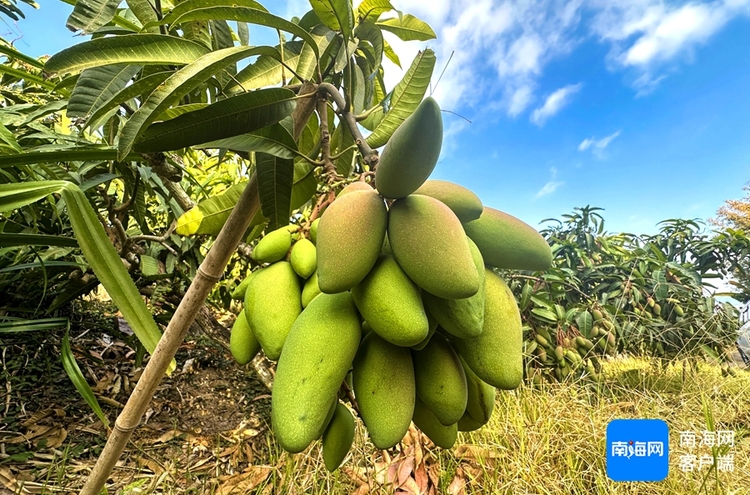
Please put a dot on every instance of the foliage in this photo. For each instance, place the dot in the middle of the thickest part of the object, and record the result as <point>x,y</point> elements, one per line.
<point>734,216</point>
<point>649,292</point>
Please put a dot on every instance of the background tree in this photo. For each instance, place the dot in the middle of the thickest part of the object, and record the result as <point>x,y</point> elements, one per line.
<point>734,218</point>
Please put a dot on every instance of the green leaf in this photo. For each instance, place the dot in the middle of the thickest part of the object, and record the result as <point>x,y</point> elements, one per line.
<point>388,50</point>
<point>407,95</point>
<point>660,285</point>
<point>336,14</point>
<point>90,15</point>
<point>96,247</point>
<point>408,28</point>
<point>12,53</point>
<point>22,325</point>
<point>13,240</point>
<point>144,12</point>
<point>180,84</point>
<point>68,155</point>
<point>275,180</point>
<point>8,138</point>
<point>243,14</point>
<point>370,32</point>
<point>144,49</point>
<point>210,215</point>
<point>303,190</point>
<point>187,6</point>
<point>342,142</point>
<point>141,86</point>
<point>26,76</point>
<point>98,85</point>
<point>174,112</point>
<point>265,71</point>
<point>76,376</point>
<point>585,322</point>
<point>545,314</point>
<point>44,110</point>
<point>274,140</point>
<point>229,117</point>
<point>370,10</point>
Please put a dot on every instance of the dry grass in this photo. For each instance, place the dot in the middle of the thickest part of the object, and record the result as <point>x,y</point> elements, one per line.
<point>549,440</point>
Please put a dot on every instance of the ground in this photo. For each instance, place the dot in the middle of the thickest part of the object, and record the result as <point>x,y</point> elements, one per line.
<point>206,431</point>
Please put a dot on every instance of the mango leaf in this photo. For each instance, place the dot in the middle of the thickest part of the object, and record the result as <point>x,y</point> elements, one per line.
<point>67,155</point>
<point>210,215</point>
<point>243,14</point>
<point>117,20</point>
<point>142,86</point>
<point>13,240</point>
<point>26,76</point>
<point>173,112</point>
<point>243,33</point>
<point>370,10</point>
<point>180,84</point>
<point>15,54</point>
<point>44,110</point>
<point>336,14</point>
<point>342,143</point>
<point>144,49</point>
<point>229,117</point>
<point>144,12</point>
<point>660,285</point>
<point>369,32</point>
<point>545,314</point>
<point>585,322</point>
<point>265,71</point>
<point>275,180</point>
<point>90,15</point>
<point>303,189</point>
<point>406,97</point>
<point>8,138</point>
<point>274,140</point>
<point>391,54</point>
<point>189,5</point>
<point>408,28</point>
<point>76,376</point>
<point>96,247</point>
<point>98,85</point>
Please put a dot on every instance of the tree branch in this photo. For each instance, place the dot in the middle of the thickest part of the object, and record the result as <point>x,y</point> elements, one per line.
<point>329,168</point>
<point>369,155</point>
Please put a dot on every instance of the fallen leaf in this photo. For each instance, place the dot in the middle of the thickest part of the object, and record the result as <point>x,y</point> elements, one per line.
<point>245,482</point>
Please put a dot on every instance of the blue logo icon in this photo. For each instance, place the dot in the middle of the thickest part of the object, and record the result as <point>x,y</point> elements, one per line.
<point>637,450</point>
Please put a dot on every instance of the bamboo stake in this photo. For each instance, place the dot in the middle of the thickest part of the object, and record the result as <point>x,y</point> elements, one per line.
<point>208,274</point>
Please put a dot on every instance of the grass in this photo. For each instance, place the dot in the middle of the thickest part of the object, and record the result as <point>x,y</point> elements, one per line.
<point>543,440</point>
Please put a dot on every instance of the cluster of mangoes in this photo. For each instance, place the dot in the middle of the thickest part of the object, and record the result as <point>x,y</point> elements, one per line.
<point>565,356</point>
<point>392,305</point>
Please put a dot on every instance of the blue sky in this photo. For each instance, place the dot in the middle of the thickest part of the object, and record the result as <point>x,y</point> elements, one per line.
<point>641,107</point>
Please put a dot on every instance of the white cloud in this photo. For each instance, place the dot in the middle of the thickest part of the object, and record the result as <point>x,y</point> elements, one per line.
<point>554,103</point>
<point>597,146</point>
<point>549,188</point>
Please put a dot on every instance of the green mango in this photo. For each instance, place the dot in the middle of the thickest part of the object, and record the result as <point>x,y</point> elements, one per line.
<point>383,379</point>
<point>272,304</point>
<point>391,303</point>
<point>411,153</point>
<point>462,318</point>
<point>273,246</point>
<point>310,290</point>
<point>465,204</point>
<point>316,357</point>
<point>350,237</point>
<point>242,343</point>
<point>327,421</point>
<point>433,328</point>
<point>480,402</point>
<point>239,291</point>
<point>496,356</point>
<point>507,242</point>
<point>441,435</point>
<point>314,231</point>
<point>431,247</point>
<point>440,380</point>
<point>338,438</point>
<point>355,186</point>
<point>304,258</point>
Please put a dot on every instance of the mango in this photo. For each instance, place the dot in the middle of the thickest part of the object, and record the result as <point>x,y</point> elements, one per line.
<point>383,379</point>
<point>316,357</point>
<point>496,355</point>
<point>329,416</point>
<point>441,435</point>
<point>272,303</point>
<point>440,379</point>
<point>273,246</point>
<point>391,303</point>
<point>304,258</point>
<point>462,318</point>
<point>480,402</point>
<point>239,291</point>
<point>338,438</point>
<point>242,343</point>
<point>355,186</point>
<point>411,153</point>
<point>431,247</point>
<point>314,230</point>
<point>310,290</point>
<point>507,242</point>
<point>350,236</point>
<point>465,204</point>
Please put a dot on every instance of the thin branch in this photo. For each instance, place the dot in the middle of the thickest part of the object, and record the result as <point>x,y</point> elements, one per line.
<point>157,8</point>
<point>369,155</point>
<point>329,168</point>
<point>126,205</point>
